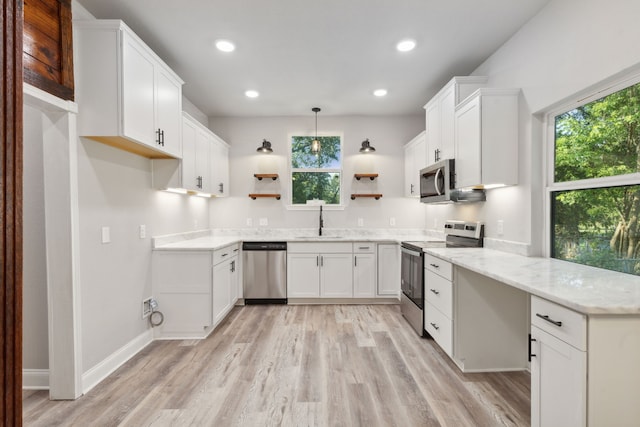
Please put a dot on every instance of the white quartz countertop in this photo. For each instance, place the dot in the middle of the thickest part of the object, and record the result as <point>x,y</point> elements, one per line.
<point>585,289</point>
<point>207,241</point>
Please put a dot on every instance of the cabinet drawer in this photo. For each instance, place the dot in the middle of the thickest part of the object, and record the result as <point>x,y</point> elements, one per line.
<point>559,321</point>
<point>364,247</point>
<point>438,266</point>
<point>440,327</point>
<point>316,248</point>
<point>438,292</point>
<point>225,253</point>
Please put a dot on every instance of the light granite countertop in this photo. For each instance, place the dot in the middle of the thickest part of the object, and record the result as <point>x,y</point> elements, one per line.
<point>585,289</point>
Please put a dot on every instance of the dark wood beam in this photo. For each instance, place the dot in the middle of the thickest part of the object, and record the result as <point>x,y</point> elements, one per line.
<point>11,214</point>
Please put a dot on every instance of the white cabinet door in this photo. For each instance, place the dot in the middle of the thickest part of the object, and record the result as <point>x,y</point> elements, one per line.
<point>203,153</point>
<point>221,290</point>
<point>234,280</point>
<point>364,275</point>
<point>415,153</point>
<point>388,270</point>
<point>447,129</point>
<point>138,91</point>
<point>434,147</point>
<point>189,137</point>
<point>468,154</point>
<point>558,382</point>
<point>181,283</point>
<point>168,97</point>
<point>336,276</point>
<point>303,275</point>
<point>219,168</point>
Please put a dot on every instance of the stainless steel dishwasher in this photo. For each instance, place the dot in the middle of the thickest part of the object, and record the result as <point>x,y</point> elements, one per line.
<point>264,272</point>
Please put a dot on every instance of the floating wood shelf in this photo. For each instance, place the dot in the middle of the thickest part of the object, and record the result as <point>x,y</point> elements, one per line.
<point>375,196</point>
<point>371,176</point>
<point>260,176</point>
<point>264,195</point>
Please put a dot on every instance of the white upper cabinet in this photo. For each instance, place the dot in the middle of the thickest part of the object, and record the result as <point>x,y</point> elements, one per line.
<point>219,167</point>
<point>440,112</point>
<point>486,139</point>
<point>414,160</point>
<point>127,96</point>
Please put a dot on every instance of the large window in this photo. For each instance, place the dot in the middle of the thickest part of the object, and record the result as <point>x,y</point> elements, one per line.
<point>595,194</point>
<point>316,176</point>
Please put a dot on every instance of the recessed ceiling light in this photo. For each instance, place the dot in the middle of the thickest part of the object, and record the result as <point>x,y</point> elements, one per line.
<point>380,92</point>
<point>406,45</point>
<point>225,46</point>
<point>252,94</point>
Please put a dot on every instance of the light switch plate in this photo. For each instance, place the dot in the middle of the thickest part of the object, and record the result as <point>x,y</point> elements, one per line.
<point>500,227</point>
<point>106,235</point>
<point>142,231</point>
<point>249,222</point>
<point>360,222</point>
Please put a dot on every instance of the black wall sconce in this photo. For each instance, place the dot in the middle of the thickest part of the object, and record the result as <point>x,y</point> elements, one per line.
<point>366,147</point>
<point>265,147</point>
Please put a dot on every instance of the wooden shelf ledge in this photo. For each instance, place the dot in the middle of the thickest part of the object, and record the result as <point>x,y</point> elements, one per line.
<point>260,176</point>
<point>371,176</point>
<point>264,196</point>
<point>375,196</point>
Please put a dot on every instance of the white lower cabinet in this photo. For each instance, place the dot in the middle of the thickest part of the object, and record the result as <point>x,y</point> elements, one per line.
<point>182,286</point>
<point>319,270</point>
<point>558,382</point>
<point>364,270</point>
<point>195,290</point>
<point>388,283</point>
<point>225,282</point>
<point>438,302</point>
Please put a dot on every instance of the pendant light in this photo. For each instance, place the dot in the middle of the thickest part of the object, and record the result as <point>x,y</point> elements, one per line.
<point>366,147</point>
<point>315,144</point>
<point>265,147</point>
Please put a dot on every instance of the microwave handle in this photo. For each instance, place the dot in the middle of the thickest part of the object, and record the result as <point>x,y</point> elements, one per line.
<point>435,182</point>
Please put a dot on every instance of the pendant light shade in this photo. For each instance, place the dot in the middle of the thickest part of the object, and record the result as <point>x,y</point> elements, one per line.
<point>315,144</point>
<point>366,147</point>
<point>265,147</point>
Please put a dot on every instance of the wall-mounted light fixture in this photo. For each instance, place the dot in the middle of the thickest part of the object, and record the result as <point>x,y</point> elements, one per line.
<point>366,147</point>
<point>315,144</point>
<point>265,147</point>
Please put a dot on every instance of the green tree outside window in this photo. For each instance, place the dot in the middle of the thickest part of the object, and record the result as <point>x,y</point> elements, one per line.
<point>316,176</point>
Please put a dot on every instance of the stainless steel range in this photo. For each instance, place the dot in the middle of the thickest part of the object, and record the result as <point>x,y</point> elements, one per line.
<point>459,234</point>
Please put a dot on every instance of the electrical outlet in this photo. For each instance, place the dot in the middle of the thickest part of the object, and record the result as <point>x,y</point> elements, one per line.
<point>142,231</point>
<point>500,227</point>
<point>249,222</point>
<point>392,222</point>
<point>106,235</point>
<point>360,222</point>
<point>146,307</point>
<point>264,222</point>
<point>435,223</point>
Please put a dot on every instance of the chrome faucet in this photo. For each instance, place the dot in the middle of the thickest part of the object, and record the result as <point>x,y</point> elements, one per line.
<point>321,222</point>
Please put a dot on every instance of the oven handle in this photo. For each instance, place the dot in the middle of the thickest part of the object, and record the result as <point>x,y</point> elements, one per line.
<point>410,252</point>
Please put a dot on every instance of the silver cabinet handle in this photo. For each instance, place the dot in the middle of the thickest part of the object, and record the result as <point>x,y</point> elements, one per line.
<point>321,261</point>
<point>434,265</point>
<point>355,258</point>
<point>435,291</point>
<point>318,261</point>
<point>436,327</point>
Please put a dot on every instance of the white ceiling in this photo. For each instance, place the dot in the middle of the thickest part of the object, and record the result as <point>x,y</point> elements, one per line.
<point>327,53</point>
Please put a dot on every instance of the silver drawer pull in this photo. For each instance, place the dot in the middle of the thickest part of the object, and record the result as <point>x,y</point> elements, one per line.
<point>436,327</point>
<point>545,317</point>
<point>435,291</point>
<point>434,265</point>
<point>224,254</point>
<point>363,247</point>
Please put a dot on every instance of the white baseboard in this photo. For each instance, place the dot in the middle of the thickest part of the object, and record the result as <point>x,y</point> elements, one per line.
<point>35,379</point>
<point>93,376</point>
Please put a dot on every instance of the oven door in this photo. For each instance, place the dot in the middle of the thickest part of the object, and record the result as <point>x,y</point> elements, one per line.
<point>412,275</point>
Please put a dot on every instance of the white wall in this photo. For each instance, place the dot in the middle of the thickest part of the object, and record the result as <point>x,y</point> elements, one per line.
<point>35,332</point>
<point>387,135</point>
<point>568,47</point>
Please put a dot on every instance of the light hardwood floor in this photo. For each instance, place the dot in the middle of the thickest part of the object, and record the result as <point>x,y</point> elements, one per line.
<point>324,365</point>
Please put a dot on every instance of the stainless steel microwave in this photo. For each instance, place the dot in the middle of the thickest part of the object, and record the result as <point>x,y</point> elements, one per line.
<point>437,181</point>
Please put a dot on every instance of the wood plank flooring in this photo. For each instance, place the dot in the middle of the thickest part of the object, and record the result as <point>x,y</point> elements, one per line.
<point>295,365</point>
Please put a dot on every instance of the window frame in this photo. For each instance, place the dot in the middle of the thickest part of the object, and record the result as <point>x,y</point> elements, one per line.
<point>594,93</point>
<point>291,170</point>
